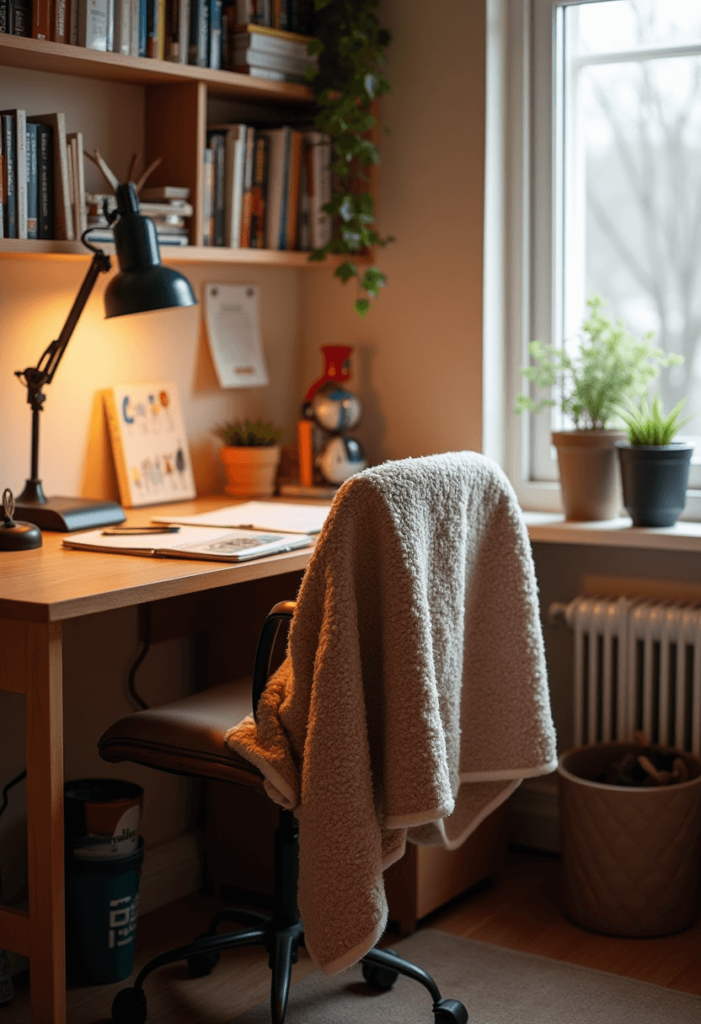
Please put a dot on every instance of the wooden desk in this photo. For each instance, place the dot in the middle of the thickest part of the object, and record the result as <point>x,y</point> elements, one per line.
<point>39,590</point>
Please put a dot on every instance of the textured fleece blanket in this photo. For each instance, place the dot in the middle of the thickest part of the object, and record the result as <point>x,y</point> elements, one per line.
<point>413,699</point>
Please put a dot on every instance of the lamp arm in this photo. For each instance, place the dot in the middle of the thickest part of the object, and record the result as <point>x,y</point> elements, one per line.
<point>35,378</point>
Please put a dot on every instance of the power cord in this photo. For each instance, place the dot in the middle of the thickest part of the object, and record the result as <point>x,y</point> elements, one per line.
<point>145,648</point>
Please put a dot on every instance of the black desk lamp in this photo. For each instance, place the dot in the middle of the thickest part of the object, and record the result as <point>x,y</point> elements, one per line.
<point>142,284</point>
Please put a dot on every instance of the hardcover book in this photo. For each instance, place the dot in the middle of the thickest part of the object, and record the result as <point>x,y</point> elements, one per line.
<point>18,150</point>
<point>149,444</point>
<point>32,183</point>
<point>62,197</point>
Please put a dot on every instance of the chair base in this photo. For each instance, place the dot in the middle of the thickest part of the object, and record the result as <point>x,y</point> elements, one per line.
<point>281,934</point>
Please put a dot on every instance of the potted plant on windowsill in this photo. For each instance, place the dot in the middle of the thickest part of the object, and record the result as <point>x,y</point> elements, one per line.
<point>610,366</point>
<point>251,455</point>
<point>654,467</point>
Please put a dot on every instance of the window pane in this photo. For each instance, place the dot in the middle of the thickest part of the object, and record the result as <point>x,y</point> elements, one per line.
<point>632,178</point>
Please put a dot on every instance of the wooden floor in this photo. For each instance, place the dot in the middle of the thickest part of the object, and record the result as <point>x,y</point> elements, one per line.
<point>520,912</point>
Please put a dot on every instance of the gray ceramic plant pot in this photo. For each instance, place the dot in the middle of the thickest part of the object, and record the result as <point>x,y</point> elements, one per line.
<point>654,481</point>
<point>589,476</point>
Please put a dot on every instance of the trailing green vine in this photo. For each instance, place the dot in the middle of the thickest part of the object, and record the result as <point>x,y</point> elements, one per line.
<point>351,46</point>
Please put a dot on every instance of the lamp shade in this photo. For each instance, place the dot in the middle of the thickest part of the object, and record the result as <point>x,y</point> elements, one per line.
<point>142,283</point>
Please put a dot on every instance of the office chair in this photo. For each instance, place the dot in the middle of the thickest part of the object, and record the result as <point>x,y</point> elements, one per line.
<point>187,737</point>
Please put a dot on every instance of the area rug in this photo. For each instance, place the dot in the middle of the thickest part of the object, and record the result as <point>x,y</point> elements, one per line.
<point>496,985</point>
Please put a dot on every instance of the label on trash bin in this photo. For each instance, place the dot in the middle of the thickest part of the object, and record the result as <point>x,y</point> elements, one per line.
<point>124,916</point>
<point>121,843</point>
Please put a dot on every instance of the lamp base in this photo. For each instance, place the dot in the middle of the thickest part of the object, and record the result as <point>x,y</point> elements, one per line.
<point>68,514</point>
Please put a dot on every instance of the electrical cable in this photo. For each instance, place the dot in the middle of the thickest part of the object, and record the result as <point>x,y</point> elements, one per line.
<point>145,648</point>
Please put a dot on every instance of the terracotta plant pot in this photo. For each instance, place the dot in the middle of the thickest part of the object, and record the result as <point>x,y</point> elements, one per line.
<point>589,474</point>
<point>654,481</point>
<point>630,856</point>
<point>251,471</point>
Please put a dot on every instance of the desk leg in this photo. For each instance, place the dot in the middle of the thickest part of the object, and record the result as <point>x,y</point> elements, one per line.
<point>44,711</point>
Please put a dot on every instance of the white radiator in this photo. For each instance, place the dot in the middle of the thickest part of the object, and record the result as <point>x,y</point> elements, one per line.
<point>637,665</point>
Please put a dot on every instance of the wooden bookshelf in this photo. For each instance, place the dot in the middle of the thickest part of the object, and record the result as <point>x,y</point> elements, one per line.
<point>62,59</point>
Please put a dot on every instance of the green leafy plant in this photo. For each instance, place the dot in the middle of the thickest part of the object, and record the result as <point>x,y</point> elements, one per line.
<point>611,366</point>
<point>648,424</point>
<point>351,46</point>
<point>248,434</point>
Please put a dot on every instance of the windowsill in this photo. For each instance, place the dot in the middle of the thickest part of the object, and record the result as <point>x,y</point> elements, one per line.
<point>551,528</point>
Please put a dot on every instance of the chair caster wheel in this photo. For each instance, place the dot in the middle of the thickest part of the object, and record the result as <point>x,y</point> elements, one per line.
<point>379,978</point>
<point>129,1006</point>
<point>202,964</point>
<point>450,1011</point>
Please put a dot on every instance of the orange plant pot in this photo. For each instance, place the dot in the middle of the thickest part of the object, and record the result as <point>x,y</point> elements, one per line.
<point>251,472</point>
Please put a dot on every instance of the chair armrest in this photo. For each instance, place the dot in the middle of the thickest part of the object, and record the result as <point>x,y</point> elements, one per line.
<point>282,612</point>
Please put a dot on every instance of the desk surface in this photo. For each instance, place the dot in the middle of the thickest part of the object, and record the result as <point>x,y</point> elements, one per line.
<point>55,583</point>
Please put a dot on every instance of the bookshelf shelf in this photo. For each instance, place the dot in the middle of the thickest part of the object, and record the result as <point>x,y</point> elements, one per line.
<point>15,249</point>
<point>62,59</point>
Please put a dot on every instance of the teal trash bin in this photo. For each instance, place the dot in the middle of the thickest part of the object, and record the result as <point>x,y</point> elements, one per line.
<point>102,909</point>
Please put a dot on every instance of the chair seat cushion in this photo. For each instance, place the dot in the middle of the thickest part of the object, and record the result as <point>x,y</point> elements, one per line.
<point>187,735</point>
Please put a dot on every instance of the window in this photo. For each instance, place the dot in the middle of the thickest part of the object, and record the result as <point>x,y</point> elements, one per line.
<point>606,195</point>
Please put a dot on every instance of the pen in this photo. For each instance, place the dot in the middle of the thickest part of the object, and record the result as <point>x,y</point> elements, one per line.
<point>136,531</point>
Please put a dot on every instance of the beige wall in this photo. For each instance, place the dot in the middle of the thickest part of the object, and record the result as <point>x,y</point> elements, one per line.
<point>418,353</point>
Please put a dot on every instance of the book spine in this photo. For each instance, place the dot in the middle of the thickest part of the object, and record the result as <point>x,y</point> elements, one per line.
<point>161,16</point>
<point>21,170</point>
<point>81,220</point>
<point>134,28</point>
<point>219,151</point>
<point>122,26</point>
<point>259,193</point>
<point>62,185</point>
<point>45,176</point>
<point>5,16</point>
<point>121,468</point>
<point>8,146</point>
<point>59,26</point>
<point>40,19</point>
<point>183,30</point>
<point>73,22</point>
<point>92,24</point>
<point>199,33</point>
<point>247,194</point>
<point>284,212</point>
<point>32,182</point>
<point>109,26</point>
<point>215,33</point>
<point>143,28</point>
<point>172,37</point>
<point>207,226</point>
<point>20,18</point>
<point>151,28</point>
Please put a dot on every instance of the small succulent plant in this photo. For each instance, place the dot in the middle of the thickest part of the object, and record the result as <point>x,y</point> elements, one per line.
<point>248,433</point>
<point>649,425</point>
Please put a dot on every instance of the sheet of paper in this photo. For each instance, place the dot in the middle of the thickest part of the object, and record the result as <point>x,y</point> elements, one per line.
<point>233,329</point>
<point>191,542</point>
<point>287,517</point>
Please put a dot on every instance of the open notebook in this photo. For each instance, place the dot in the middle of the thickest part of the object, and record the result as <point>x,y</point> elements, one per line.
<point>216,544</point>
<point>279,516</point>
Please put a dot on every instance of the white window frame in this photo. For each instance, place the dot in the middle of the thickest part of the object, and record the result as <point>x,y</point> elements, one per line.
<point>533,235</point>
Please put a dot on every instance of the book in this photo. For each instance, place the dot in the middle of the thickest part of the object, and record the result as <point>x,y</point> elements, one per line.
<point>217,144</point>
<point>293,185</point>
<point>247,196</point>
<point>20,17</point>
<point>143,27</point>
<point>319,186</point>
<point>268,40</point>
<point>149,444</point>
<point>63,226</point>
<point>235,147</point>
<point>278,154</point>
<point>45,178</point>
<point>109,34</point>
<point>199,33</point>
<point>151,28</point>
<point>195,542</point>
<point>259,193</point>
<point>73,19</point>
<point>122,26</point>
<point>32,183</point>
<point>158,192</point>
<point>9,190</point>
<point>134,27</point>
<point>161,30</point>
<point>2,184</point>
<point>41,19</point>
<point>245,58</point>
<point>18,163</point>
<point>215,34</point>
<point>281,516</point>
<point>92,24</point>
<point>59,21</point>
<point>80,222</point>
<point>207,198</point>
<point>259,12</point>
<point>5,16</point>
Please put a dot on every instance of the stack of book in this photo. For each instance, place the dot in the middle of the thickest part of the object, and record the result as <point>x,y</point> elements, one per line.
<point>166,205</point>
<point>269,53</point>
<point>265,188</point>
<point>42,184</point>
<point>184,31</point>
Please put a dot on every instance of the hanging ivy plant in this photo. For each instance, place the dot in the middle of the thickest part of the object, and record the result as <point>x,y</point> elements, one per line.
<point>351,46</point>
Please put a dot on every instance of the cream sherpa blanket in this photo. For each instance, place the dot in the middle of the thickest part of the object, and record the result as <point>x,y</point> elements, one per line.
<point>414,697</point>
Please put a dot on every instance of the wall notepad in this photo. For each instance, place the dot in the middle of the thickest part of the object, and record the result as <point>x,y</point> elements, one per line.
<point>149,444</point>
